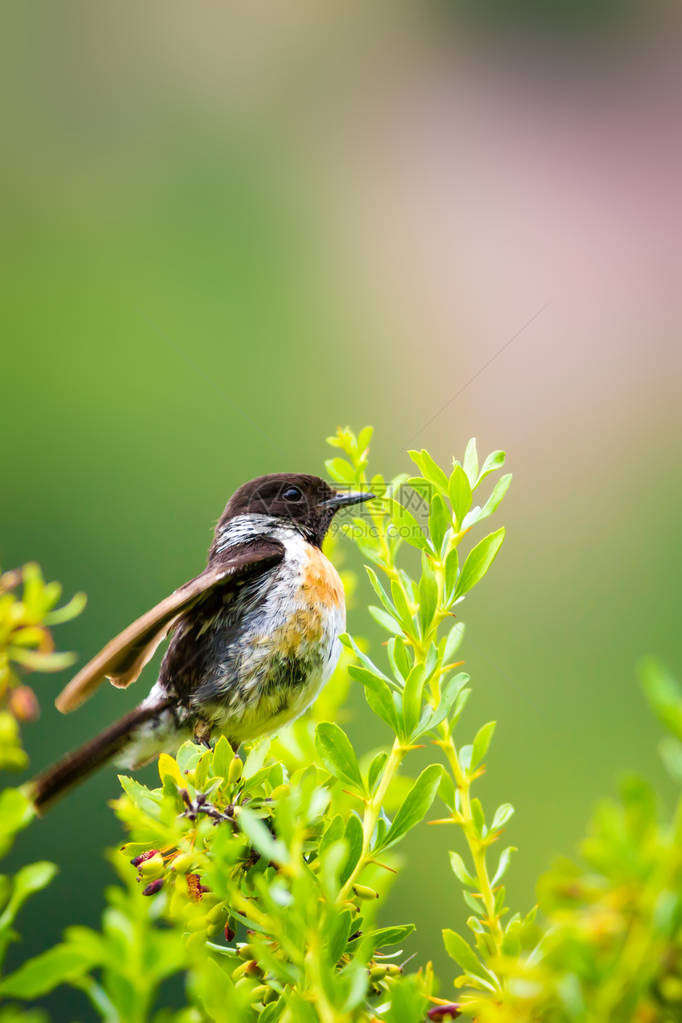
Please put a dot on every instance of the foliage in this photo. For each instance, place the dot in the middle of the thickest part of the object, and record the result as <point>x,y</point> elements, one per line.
<point>26,645</point>
<point>261,877</point>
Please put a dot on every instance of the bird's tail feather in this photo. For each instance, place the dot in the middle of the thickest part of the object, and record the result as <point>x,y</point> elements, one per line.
<point>73,768</point>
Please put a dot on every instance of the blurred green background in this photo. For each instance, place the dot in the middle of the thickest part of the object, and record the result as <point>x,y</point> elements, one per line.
<point>228,232</point>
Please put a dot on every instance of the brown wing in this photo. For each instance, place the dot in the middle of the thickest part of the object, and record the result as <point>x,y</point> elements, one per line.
<point>124,657</point>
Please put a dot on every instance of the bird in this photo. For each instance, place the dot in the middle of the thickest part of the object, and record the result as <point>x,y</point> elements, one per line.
<point>253,638</point>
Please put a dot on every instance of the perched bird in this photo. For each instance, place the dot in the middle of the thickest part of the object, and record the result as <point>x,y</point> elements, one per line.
<point>254,637</point>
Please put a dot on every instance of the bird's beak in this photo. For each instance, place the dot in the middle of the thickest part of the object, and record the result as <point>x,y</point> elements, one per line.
<point>343,499</point>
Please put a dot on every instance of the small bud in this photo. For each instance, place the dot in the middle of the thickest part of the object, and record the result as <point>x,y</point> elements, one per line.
<point>245,951</point>
<point>263,993</point>
<point>393,970</point>
<point>377,972</point>
<point>137,860</point>
<point>153,887</point>
<point>442,1012</point>
<point>217,913</point>
<point>363,891</point>
<point>152,867</point>
<point>24,704</point>
<point>181,863</point>
<point>245,969</point>
<point>235,771</point>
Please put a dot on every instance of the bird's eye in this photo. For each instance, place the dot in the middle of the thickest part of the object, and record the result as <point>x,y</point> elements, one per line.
<point>292,494</point>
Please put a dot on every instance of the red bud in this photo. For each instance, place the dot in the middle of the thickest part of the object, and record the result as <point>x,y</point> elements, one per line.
<point>153,887</point>
<point>440,1012</point>
<point>137,860</point>
<point>23,703</point>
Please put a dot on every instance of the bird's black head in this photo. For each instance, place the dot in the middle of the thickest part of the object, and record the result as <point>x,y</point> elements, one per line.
<point>307,502</point>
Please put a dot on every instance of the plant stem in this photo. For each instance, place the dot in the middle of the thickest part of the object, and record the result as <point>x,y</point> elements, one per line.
<point>372,811</point>
<point>476,845</point>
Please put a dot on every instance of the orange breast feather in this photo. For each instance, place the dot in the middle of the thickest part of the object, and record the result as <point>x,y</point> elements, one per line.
<point>321,583</point>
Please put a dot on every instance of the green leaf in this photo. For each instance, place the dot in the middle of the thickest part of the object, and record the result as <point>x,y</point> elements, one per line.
<point>28,880</point>
<point>375,769</point>
<point>447,791</point>
<point>262,840</point>
<point>222,757</point>
<point>430,469</point>
<point>143,798</point>
<point>477,514</point>
<point>348,641</point>
<point>381,592</point>
<point>337,754</point>
<point>503,864</point>
<point>478,817</point>
<point>355,981</point>
<point>460,703</point>
<point>37,976</point>
<point>451,570</point>
<point>188,756</point>
<point>412,698</point>
<point>449,695</point>
<point>494,461</point>
<point>428,597</point>
<point>333,833</point>
<point>481,743</point>
<point>365,438</point>
<point>255,758</point>
<point>479,561</point>
<point>354,840</point>
<point>496,496</point>
<point>340,470</point>
<point>439,521</point>
<point>384,936</point>
<point>16,810</point>
<point>460,950</point>
<point>67,612</point>
<point>380,699</point>
<point>395,658</point>
<point>403,609</point>
<point>502,815</point>
<point>416,804</point>
<point>460,871</point>
<point>362,675</point>
<point>465,756</point>
<point>473,903</point>
<point>407,526</point>
<point>664,695</point>
<point>385,620</point>
<point>36,660</point>
<point>402,657</point>
<point>460,493</point>
<point>453,642</point>
<point>408,1000</point>
<point>338,936</point>
<point>471,461</point>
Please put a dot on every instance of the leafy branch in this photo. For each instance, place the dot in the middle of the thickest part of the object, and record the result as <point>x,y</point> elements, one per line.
<point>259,874</point>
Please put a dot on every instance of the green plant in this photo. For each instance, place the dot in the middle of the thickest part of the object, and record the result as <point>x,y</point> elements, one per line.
<point>261,877</point>
<point>26,645</point>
